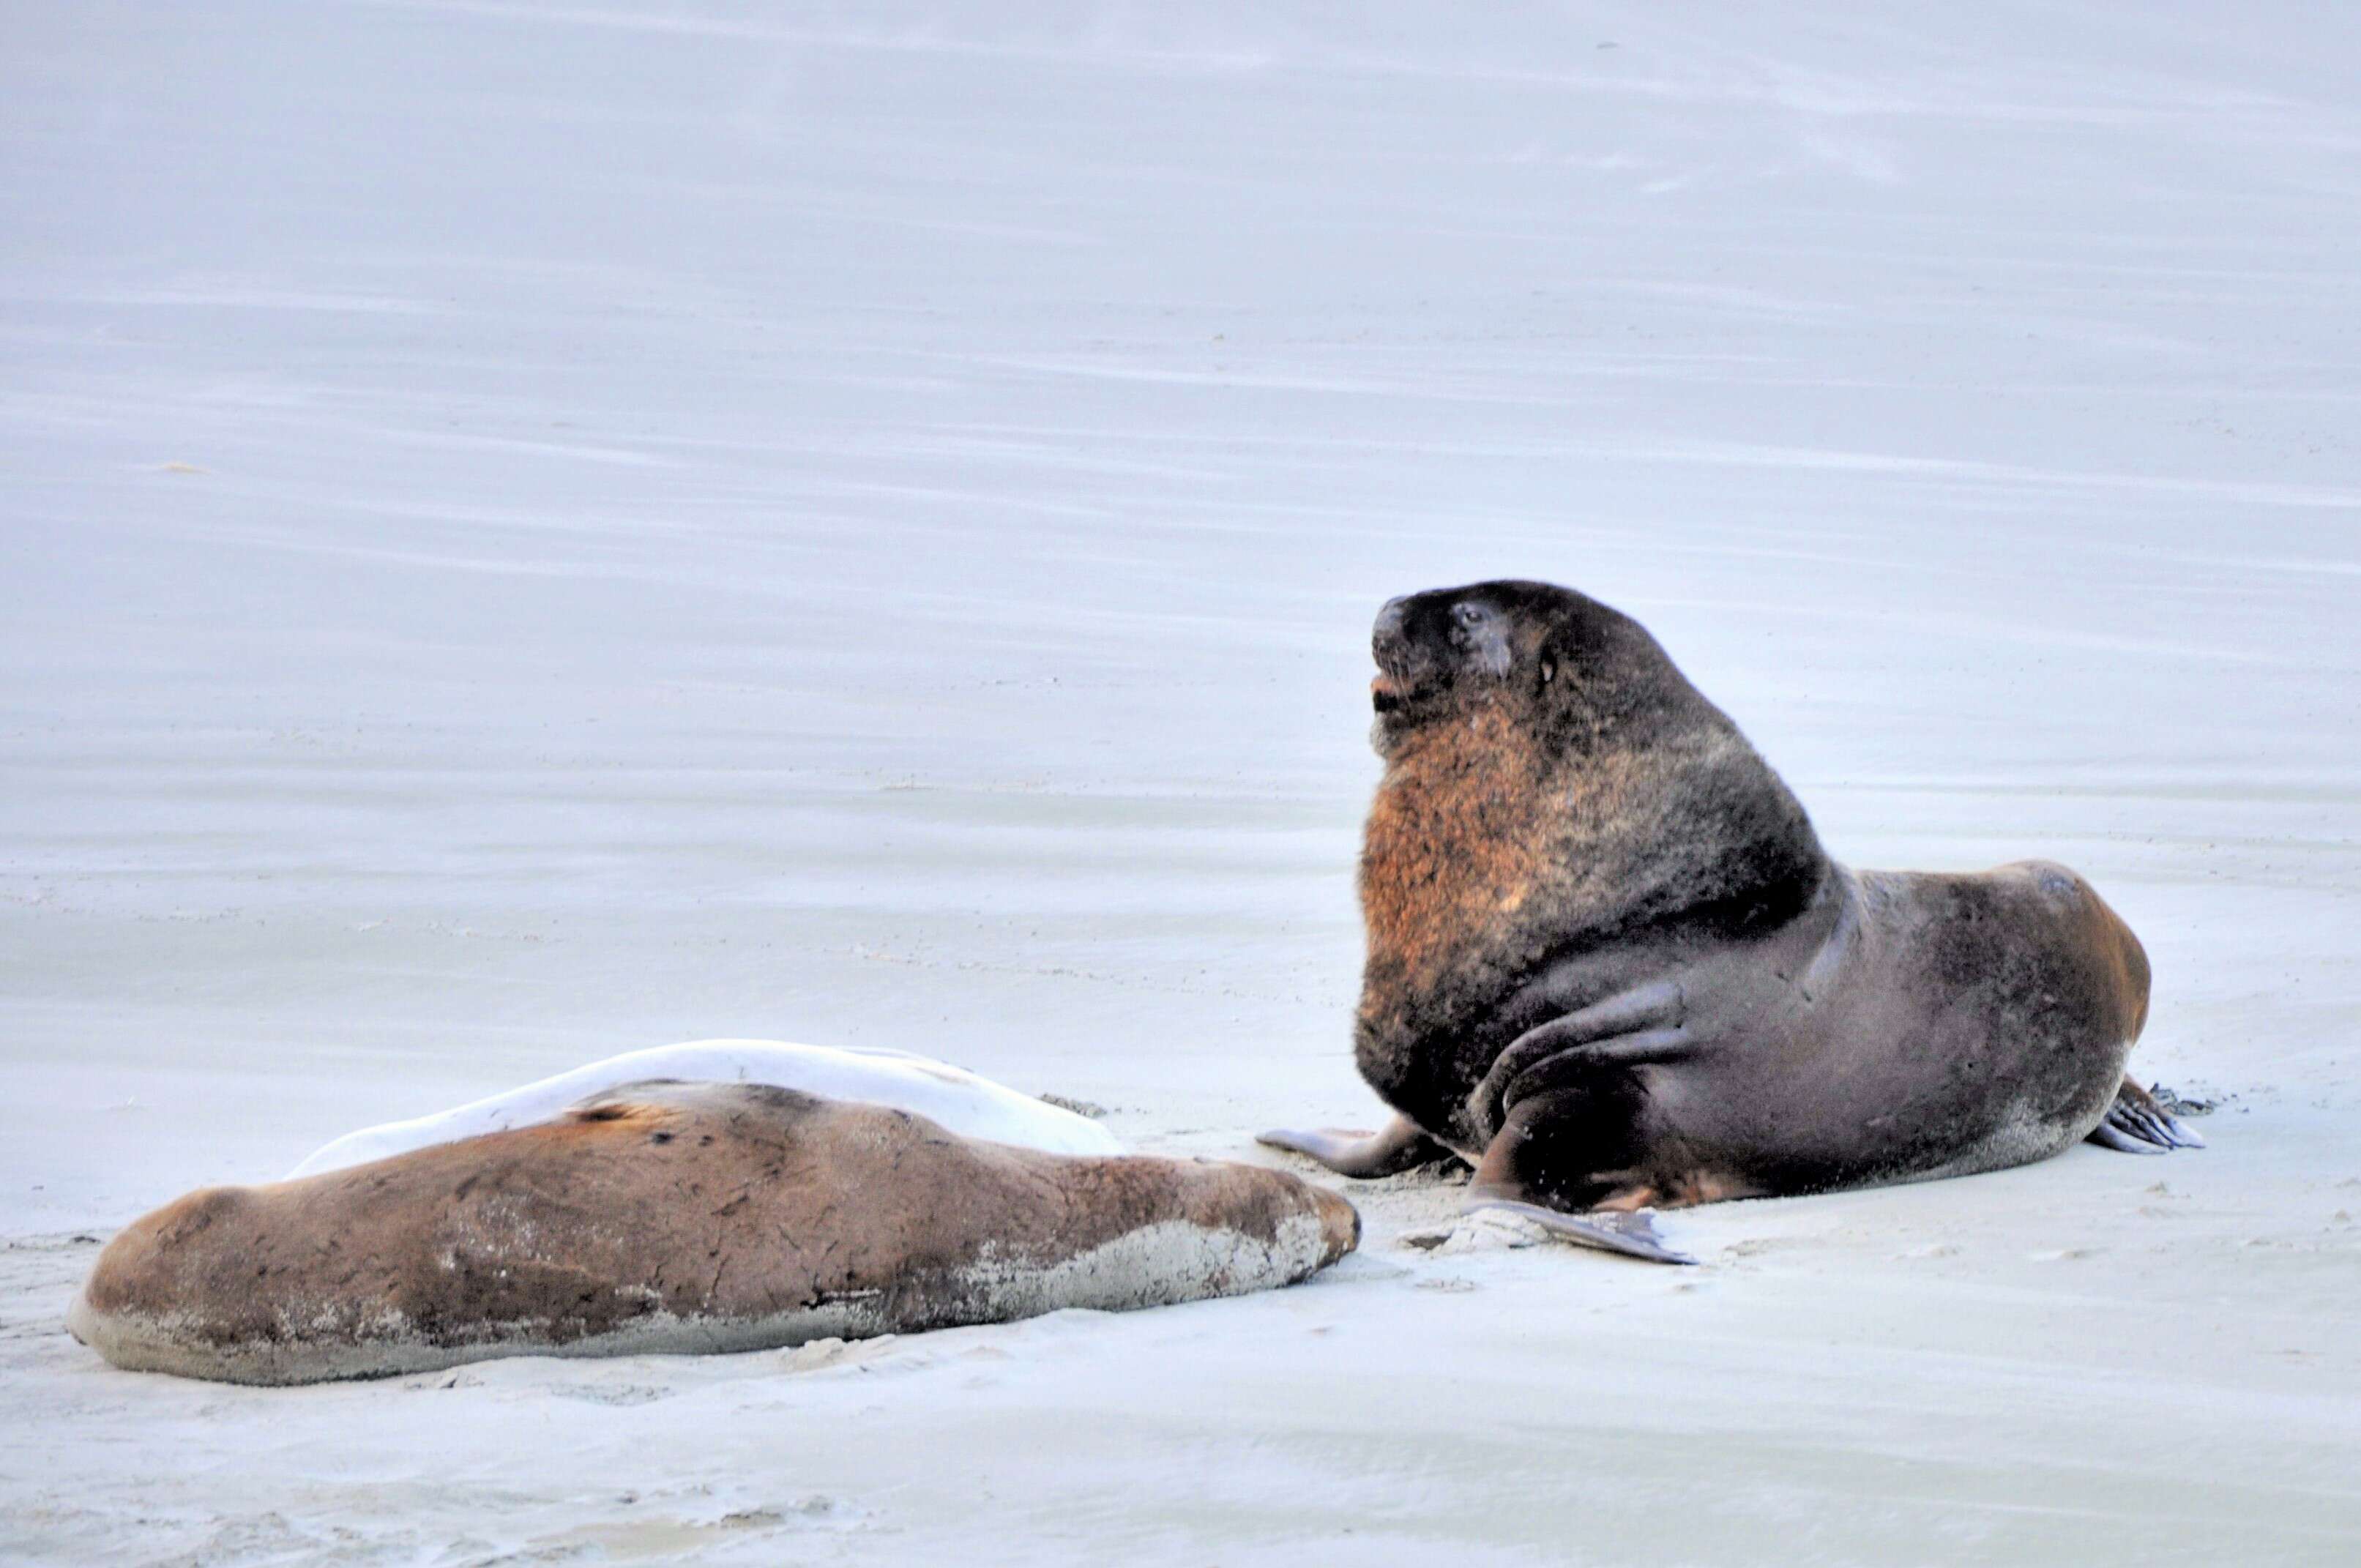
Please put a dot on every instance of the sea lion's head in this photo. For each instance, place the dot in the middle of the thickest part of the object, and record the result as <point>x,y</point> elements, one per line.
<point>1547,652</point>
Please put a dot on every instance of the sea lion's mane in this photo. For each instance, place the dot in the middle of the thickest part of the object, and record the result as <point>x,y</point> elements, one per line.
<point>1575,792</point>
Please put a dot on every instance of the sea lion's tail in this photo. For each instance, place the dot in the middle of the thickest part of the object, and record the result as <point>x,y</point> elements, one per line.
<point>2137,1122</point>
<point>2135,973</point>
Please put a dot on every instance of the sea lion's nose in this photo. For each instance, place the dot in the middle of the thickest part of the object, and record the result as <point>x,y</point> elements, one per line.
<point>1386,635</point>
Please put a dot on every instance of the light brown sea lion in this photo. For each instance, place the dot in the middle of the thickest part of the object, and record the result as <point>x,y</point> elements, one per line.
<point>1610,964</point>
<point>680,1217</point>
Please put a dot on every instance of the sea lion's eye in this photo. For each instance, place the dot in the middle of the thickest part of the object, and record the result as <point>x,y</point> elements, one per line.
<point>1470,615</point>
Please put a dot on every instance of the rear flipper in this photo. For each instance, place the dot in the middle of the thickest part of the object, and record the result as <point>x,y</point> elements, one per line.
<point>1400,1148</point>
<point>1631,1233</point>
<point>2138,1123</point>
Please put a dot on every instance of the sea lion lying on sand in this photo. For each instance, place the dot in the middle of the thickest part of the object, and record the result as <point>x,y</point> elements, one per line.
<point>680,1217</point>
<point>1610,965</point>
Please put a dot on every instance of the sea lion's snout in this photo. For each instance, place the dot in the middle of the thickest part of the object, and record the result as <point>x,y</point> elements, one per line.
<point>1389,637</point>
<point>1389,646</point>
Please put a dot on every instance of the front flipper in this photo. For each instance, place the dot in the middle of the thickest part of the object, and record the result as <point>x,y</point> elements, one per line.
<point>1631,1233</point>
<point>1560,1156</point>
<point>1635,1028</point>
<point>2138,1123</point>
<point>1401,1147</point>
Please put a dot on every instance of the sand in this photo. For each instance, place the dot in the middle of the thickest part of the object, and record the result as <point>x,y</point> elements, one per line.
<point>531,531</point>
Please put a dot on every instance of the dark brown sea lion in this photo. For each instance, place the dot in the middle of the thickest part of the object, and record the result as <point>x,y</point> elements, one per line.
<point>1611,965</point>
<point>680,1217</point>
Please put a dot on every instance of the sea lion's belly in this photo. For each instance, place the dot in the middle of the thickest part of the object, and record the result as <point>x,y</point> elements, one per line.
<point>1948,1023</point>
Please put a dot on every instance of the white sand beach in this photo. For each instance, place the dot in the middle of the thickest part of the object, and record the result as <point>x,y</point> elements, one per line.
<point>529,531</point>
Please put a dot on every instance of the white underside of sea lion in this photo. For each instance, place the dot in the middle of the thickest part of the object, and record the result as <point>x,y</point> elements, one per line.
<point>970,1106</point>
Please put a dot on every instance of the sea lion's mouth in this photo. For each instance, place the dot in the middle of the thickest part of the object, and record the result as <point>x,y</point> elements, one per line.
<point>1395,690</point>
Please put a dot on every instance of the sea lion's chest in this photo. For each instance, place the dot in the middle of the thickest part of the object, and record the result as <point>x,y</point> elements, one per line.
<point>1458,847</point>
<point>1489,856</point>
